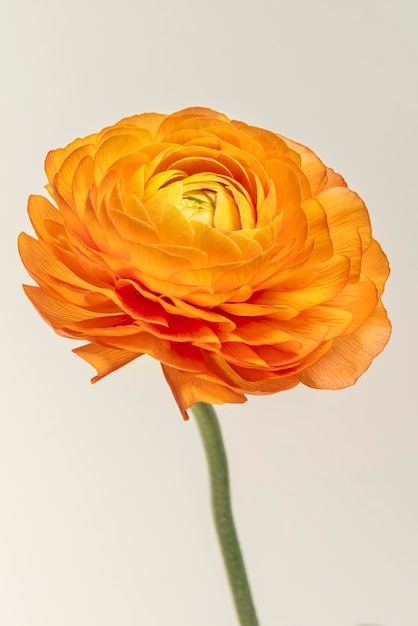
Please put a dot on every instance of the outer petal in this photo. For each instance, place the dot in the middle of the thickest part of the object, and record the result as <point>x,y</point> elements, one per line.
<point>188,389</point>
<point>376,267</point>
<point>312,166</point>
<point>350,356</point>
<point>105,360</point>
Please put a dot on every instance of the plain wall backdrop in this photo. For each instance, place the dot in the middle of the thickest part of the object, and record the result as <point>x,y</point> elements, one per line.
<point>104,512</point>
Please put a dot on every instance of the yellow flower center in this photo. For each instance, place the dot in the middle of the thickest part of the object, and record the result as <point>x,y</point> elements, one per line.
<point>199,206</point>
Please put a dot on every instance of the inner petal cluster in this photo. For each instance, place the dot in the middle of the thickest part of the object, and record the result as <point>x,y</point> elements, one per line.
<point>199,205</point>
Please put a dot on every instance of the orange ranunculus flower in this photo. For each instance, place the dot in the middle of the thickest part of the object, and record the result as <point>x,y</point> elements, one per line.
<point>231,254</point>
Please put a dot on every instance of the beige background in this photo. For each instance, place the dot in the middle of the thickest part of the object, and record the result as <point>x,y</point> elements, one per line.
<point>104,516</point>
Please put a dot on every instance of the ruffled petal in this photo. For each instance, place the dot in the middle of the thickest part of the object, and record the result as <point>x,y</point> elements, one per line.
<point>350,356</point>
<point>188,389</point>
<point>105,360</point>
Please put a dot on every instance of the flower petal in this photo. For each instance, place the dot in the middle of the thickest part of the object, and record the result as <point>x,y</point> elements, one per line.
<point>105,360</point>
<point>188,389</point>
<point>350,356</point>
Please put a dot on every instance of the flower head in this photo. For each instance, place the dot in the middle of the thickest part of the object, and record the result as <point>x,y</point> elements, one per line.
<point>229,253</point>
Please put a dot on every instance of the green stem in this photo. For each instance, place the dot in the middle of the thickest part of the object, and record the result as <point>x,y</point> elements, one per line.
<point>221,506</point>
